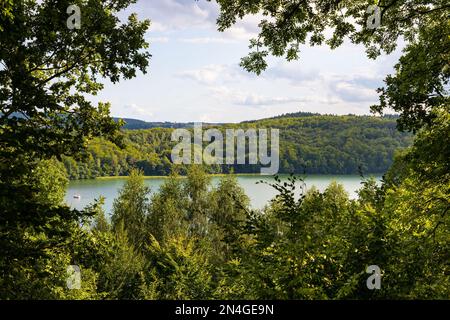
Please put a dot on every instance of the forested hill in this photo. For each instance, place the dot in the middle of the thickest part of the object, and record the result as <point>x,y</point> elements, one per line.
<point>134,124</point>
<point>311,143</point>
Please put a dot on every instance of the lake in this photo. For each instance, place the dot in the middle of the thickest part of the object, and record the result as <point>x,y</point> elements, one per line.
<point>259,194</point>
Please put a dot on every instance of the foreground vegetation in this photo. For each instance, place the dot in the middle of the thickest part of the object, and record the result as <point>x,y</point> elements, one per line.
<point>190,240</point>
<point>313,144</point>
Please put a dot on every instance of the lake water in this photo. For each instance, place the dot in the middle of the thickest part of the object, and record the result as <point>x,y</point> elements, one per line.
<point>259,194</point>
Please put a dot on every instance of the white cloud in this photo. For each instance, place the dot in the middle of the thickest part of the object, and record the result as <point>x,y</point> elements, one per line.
<point>157,27</point>
<point>252,99</point>
<point>207,75</point>
<point>216,74</point>
<point>352,92</point>
<point>207,40</point>
<point>158,40</point>
<point>295,73</point>
<point>244,98</point>
<point>246,28</point>
<point>169,15</point>
<point>175,15</point>
<point>357,87</point>
<point>133,110</point>
<point>312,86</point>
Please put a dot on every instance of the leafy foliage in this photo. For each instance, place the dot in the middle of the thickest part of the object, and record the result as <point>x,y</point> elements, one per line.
<point>46,71</point>
<point>420,83</point>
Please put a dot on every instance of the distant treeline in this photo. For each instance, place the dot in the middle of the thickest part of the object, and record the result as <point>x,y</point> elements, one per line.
<point>312,144</point>
<point>134,124</point>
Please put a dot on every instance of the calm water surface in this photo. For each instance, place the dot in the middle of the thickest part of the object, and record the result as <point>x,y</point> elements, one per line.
<point>259,194</point>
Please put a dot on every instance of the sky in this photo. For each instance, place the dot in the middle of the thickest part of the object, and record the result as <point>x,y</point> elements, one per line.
<point>194,73</point>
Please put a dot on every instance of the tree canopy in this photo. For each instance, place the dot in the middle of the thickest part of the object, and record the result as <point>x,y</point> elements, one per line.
<point>421,81</point>
<point>46,71</point>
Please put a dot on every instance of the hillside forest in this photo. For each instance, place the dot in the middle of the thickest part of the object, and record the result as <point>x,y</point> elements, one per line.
<point>309,143</point>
